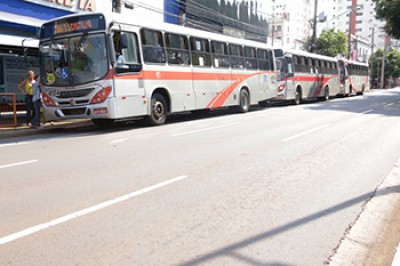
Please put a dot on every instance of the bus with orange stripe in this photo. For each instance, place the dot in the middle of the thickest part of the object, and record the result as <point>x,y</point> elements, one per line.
<point>303,75</point>
<point>106,68</point>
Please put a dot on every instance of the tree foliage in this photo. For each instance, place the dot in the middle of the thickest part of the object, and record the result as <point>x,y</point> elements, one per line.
<point>330,43</point>
<point>389,10</point>
<point>392,64</point>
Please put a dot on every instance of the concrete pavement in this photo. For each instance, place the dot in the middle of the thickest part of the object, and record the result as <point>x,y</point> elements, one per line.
<point>365,233</point>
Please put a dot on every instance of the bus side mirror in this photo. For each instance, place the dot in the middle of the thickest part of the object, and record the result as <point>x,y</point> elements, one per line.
<point>289,75</point>
<point>124,41</point>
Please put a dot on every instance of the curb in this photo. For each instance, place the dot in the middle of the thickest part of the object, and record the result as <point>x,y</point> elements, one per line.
<point>366,235</point>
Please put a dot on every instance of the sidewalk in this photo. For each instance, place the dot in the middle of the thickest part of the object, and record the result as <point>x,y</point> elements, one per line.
<point>23,130</point>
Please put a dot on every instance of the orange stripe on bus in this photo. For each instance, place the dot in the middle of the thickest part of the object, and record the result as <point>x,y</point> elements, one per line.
<point>221,98</point>
<point>179,76</point>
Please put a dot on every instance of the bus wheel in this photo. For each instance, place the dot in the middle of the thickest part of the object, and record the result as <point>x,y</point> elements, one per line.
<point>158,111</point>
<point>244,101</point>
<point>326,94</point>
<point>362,90</point>
<point>103,123</point>
<point>297,97</point>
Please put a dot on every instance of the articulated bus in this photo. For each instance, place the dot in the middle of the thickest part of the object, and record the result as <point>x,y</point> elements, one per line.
<point>110,68</point>
<point>303,75</point>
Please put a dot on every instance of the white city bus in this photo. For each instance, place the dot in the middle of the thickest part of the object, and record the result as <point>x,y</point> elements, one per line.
<point>303,75</point>
<point>110,68</point>
<point>353,77</point>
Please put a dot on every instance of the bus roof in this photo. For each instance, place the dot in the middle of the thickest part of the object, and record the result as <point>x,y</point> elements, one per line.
<point>308,54</point>
<point>119,19</point>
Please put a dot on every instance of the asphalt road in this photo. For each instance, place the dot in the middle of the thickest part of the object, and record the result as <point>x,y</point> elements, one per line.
<point>275,186</point>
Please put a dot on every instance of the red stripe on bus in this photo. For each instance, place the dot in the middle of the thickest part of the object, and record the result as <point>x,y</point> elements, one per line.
<point>221,98</point>
<point>179,76</point>
<point>322,79</point>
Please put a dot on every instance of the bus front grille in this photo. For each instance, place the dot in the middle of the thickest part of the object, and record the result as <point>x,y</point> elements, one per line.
<point>75,93</point>
<point>76,111</point>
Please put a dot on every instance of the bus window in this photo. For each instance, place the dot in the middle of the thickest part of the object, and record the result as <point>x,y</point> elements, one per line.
<point>250,57</point>
<point>153,47</point>
<point>264,60</point>
<point>200,52</point>
<point>220,54</point>
<point>310,65</point>
<point>177,49</point>
<point>237,60</point>
<point>126,52</point>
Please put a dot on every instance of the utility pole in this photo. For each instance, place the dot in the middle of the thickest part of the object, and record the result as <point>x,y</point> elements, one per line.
<point>314,35</point>
<point>383,66</point>
<point>372,57</point>
<point>352,22</point>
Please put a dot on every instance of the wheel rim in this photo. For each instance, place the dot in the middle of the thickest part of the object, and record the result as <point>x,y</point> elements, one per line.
<point>244,101</point>
<point>158,110</point>
<point>297,97</point>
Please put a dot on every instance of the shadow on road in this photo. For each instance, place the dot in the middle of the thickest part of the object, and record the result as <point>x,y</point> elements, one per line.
<point>233,250</point>
<point>378,103</point>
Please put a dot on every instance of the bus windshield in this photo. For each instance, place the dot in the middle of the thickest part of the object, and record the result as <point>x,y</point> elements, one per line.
<point>74,60</point>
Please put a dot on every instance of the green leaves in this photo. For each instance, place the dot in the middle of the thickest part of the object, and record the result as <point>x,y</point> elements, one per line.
<point>389,10</point>
<point>330,43</point>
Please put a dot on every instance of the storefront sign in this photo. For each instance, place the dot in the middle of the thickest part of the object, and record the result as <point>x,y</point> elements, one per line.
<point>74,5</point>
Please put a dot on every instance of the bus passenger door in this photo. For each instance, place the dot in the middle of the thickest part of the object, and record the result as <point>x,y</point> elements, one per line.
<point>343,77</point>
<point>128,77</point>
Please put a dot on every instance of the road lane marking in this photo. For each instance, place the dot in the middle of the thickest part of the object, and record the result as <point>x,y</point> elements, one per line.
<point>74,215</point>
<point>387,105</point>
<point>366,112</point>
<point>116,141</point>
<point>13,144</point>
<point>305,133</point>
<point>204,129</point>
<point>17,164</point>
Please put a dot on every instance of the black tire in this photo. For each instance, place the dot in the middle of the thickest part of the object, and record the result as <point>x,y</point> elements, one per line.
<point>244,101</point>
<point>297,97</point>
<point>326,94</point>
<point>103,123</point>
<point>158,110</point>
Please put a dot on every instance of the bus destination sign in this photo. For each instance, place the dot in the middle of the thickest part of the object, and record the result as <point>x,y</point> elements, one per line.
<point>73,25</point>
<point>67,27</point>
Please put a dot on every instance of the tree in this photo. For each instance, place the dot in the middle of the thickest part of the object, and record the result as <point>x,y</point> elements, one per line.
<point>329,43</point>
<point>332,43</point>
<point>392,65</point>
<point>389,10</point>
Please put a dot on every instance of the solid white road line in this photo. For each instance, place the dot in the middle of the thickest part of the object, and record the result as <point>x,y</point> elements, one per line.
<point>13,144</point>
<point>305,133</point>
<point>116,141</point>
<point>66,218</point>
<point>387,105</point>
<point>17,164</point>
<point>366,112</point>
<point>204,129</point>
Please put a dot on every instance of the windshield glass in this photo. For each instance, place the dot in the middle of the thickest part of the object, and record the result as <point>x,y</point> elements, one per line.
<point>281,66</point>
<point>74,61</point>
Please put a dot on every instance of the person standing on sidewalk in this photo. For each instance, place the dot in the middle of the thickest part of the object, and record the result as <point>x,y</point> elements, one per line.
<point>25,88</point>
<point>36,102</point>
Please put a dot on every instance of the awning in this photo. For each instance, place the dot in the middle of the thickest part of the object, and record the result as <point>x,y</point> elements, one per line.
<point>4,16</point>
<point>11,40</point>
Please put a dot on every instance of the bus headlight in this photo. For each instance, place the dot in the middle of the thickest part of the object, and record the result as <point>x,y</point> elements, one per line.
<point>101,96</point>
<point>47,100</point>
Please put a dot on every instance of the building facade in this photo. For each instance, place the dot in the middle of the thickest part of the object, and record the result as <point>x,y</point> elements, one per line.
<point>291,22</point>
